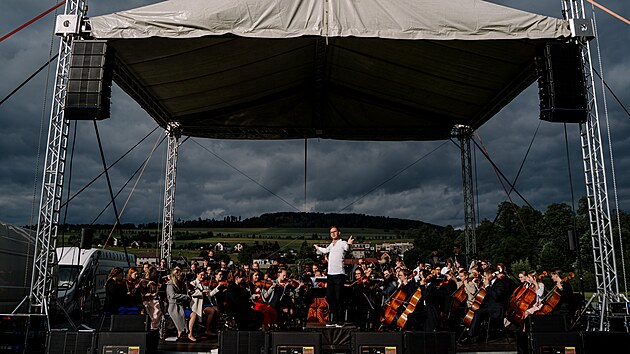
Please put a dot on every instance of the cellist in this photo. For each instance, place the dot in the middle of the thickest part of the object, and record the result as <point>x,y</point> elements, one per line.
<point>492,306</point>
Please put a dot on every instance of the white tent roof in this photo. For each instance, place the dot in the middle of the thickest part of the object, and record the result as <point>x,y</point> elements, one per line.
<point>343,69</point>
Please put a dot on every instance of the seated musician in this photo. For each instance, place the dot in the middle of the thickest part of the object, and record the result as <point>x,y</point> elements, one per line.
<point>200,304</point>
<point>150,298</point>
<point>239,304</point>
<point>493,304</point>
<point>257,286</point>
<point>280,295</point>
<point>389,283</point>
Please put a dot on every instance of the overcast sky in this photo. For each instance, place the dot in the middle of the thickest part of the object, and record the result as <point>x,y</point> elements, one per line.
<point>340,174</point>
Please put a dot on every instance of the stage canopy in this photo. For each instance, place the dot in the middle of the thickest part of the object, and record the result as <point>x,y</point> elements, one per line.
<point>340,69</point>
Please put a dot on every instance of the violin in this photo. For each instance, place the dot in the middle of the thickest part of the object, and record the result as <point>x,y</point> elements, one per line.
<point>264,284</point>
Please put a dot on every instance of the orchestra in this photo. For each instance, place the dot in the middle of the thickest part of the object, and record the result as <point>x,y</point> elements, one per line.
<point>381,295</point>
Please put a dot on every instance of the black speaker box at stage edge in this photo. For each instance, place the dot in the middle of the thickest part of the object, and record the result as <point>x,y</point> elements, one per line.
<point>561,87</point>
<point>550,343</point>
<point>63,342</point>
<point>430,342</point>
<point>244,342</point>
<point>89,81</point>
<point>23,333</point>
<point>128,342</point>
<point>605,342</point>
<point>129,323</point>
<point>295,343</point>
<point>546,323</point>
<point>377,342</point>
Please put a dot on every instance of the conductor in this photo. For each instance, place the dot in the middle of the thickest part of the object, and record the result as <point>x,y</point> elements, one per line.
<point>336,275</point>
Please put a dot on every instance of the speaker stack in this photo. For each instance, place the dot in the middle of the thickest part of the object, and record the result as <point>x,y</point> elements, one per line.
<point>89,81</point>
<point>295,343</point>
<point>561,84</point>
<point>377,342</point>
<point>23,333</point>
<point>244,342</point>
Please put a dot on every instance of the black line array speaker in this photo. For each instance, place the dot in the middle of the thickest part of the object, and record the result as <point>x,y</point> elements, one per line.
<point>561,87</point>
<point>87,235</point>
<point>23,333</point>
<point>244,342</point>
<point>377,342</point>
<point>129,323</point>
<point>62,342</point>
<point>550,343</point>
<point>89,81</point>
<point>296,343</point>
<point>128,342</point>
<point>430,342</point>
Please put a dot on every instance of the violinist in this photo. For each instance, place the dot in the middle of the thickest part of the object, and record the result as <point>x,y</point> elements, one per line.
<point>150,298</point>
<point>197,292</point>
<point>280,295</point>
<point>239,304</point>
<point>257,286</point>
<point>133,284</point>
<point>358,306</point>
<point>492,306</point>
<point>116,291</point>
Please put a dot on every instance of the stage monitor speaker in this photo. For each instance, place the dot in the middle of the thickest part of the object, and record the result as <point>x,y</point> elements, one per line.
<point>295,343</point>
<point>377,342</point>
<point>605,342</point>
<point>244,342</point>
<point>546,323</point>
<point>89,81</point>
<point>87,235</point>
<point>561,87</point>
<point>128,342</point>
<point>23,333</point>
<point>63,342</point>
<point>429,342</point>
<point>552,343</point>
<point>129,323</point>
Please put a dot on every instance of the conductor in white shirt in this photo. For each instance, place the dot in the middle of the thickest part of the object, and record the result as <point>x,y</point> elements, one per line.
<point>336,276</point>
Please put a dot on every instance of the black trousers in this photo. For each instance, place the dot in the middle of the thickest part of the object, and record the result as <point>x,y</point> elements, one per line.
<point>334,291</point>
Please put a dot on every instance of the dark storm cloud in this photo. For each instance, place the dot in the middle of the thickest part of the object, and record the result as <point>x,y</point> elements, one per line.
<point>340,174</point>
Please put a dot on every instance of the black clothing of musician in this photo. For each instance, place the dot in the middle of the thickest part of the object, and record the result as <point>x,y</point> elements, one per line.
<point>240,306</point>
<point>116,292</point>
<point>493,304</point>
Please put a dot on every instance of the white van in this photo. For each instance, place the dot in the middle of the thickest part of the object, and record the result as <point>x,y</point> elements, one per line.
<point>81,276</point>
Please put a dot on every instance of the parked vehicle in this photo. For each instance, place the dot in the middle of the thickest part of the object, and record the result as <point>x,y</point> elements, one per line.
<point>81,276</point>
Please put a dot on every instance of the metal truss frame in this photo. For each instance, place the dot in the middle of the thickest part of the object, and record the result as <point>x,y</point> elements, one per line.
<point>166,244</point>
<point>464,133</point>
<point>41,291</point>
<point>607,288</point>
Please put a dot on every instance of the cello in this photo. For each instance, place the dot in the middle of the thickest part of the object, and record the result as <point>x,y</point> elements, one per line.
<point>524,301</point>
<point>394,302</point>
<point>481,294</point>
<point>411,305</point>
<point>553,298</point>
